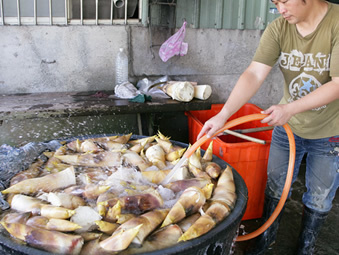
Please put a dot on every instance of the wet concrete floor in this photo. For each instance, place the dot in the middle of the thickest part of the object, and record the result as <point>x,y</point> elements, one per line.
<point>286,242</point>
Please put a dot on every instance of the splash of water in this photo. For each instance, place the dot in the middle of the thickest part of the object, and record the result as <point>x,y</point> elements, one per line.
<point>168,177</point>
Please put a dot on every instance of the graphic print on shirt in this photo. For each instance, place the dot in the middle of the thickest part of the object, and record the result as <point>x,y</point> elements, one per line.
<point>304,83</point>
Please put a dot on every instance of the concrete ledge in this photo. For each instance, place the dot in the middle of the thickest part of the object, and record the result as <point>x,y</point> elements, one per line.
<point>44,116</point>
<point>68,104</point>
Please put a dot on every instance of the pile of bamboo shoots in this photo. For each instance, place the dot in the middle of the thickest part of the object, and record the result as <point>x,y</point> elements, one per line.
<point>104,195</point>
<point>185,91</point>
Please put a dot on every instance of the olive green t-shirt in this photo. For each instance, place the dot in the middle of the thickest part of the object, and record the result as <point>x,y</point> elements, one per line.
<point>306,63</point>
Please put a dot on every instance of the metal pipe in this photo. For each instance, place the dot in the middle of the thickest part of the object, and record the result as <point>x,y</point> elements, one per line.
<point>112,9</point>
<point>2,13</point>
<point>163,3</point>
<point>246,137</point>
<point>139,123</point>
<point>50,12</point>
<point>96,11</point>
<point>66,13</point>
<point>139,9</point>
<point>81,12</point>
<point>253,130</point>
<point>35,13</point>
<point>126,5</point>
<point>18,11</point>
<point>144,18</point>
<point>68,18</point>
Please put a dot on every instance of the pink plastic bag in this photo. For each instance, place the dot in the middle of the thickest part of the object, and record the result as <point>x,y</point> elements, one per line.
<point>174,45</point>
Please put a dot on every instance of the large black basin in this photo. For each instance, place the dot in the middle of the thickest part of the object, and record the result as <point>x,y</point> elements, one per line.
<point>217,241</point>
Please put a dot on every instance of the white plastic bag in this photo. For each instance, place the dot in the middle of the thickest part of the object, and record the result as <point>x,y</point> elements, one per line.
<point>126,90</point>
<point>174,45</point>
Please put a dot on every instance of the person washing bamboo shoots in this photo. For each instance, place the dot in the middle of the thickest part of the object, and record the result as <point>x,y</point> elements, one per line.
<point>304,42</point>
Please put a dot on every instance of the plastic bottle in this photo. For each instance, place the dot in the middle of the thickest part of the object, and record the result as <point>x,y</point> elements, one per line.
<point>121,67</point>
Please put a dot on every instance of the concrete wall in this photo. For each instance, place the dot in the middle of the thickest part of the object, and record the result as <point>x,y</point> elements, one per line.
<point>81,58</point>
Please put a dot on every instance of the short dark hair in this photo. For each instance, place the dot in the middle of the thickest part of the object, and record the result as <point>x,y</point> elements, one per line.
<point>337,1</point>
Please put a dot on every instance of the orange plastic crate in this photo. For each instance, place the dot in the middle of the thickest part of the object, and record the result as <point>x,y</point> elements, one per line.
<point>249,159</point>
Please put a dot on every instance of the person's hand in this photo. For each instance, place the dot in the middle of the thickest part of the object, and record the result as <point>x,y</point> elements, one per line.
<point>212,125</point>
<point>278,115</point>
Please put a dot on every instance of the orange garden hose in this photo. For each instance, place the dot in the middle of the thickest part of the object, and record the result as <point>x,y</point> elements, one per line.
<point>290,169</point>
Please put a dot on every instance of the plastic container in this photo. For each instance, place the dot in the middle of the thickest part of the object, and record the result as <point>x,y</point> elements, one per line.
<point>121,67</point>
<point>249,158</point>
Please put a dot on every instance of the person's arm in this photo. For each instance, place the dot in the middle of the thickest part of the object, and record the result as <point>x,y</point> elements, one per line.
<point>280,114</point>
<point>247,85</point>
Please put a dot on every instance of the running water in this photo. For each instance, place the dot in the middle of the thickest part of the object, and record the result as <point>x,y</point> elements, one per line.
<point>168,177</point>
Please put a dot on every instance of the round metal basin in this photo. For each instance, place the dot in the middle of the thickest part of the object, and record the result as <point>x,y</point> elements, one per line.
<point>217,241</point>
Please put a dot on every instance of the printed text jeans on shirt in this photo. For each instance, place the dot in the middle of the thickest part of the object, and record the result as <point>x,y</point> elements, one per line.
<point>322,168</point>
